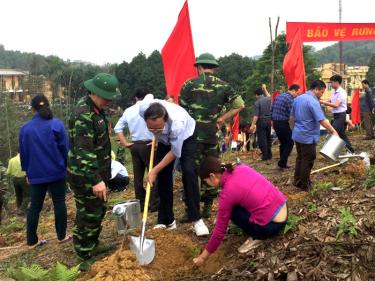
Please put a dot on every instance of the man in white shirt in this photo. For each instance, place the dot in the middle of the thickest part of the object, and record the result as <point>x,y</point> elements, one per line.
<point>175,131</point>
<point>140,147</point>
<point>338,103</point>
<point>119,177</point>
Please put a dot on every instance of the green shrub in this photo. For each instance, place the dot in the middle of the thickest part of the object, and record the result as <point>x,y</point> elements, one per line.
<point>35,272</point>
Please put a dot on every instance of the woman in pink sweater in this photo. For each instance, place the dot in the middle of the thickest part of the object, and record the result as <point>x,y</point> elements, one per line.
<point>248,199</point>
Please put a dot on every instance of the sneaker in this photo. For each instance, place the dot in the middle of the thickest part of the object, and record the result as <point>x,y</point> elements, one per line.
<point>248,245</point>
<point>200,228</point>
<point>160,226</point>
<point>171,226</point>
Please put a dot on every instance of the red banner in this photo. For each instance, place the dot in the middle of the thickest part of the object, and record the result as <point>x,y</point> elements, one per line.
<point>178,55</point>
<point>236,126</point>
<point>321,31</point>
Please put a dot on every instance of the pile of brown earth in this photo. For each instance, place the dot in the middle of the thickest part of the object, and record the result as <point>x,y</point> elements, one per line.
<point>174,259</point>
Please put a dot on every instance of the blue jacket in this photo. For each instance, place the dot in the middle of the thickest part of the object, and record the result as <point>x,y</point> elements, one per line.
<point>44,149</point>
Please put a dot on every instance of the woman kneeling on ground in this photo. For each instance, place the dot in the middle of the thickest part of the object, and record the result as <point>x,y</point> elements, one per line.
<point>247,198</point>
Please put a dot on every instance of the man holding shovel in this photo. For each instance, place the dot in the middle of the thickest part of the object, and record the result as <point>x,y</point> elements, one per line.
<point>306,118</point>
<point>174,129</point>
<point>89,165</point>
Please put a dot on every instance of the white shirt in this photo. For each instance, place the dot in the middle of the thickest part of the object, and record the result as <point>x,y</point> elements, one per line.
<point>136,124</point>
<point>118,168</point>
<point>179,126</point>
<point>341,95</point>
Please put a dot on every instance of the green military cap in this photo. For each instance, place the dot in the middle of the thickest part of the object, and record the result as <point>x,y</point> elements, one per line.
<point>104,85</point>
<point>206,58</point>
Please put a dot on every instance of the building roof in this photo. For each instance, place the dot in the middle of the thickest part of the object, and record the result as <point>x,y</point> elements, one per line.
<point>11,72</point>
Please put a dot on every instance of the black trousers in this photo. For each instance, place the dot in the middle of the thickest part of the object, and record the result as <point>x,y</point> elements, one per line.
<point>240,217</point>
<point>140,152</point>
<point>306,155</point>
<point>264,138</point>
<point>339,123</point>
<point>189,180</point>
<point>38,192</point>
<point>284,134</point>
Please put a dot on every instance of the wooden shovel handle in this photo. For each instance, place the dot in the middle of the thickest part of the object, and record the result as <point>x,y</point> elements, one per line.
<point>148,187</point>
<point>325,168</point>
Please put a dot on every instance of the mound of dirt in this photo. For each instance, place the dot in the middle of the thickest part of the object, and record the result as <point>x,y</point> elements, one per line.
<point>174,257</point>
<point>355,169</point>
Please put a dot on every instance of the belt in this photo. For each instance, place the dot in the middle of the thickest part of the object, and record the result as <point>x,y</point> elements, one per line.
<point>142,141</point>
<point>339,113</point>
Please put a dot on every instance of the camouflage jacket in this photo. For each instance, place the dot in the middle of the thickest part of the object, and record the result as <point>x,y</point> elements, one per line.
<point>205,98</point>
<point>90,147</point>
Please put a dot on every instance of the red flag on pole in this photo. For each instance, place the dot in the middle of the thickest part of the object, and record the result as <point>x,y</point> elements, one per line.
<point>356,116</point>
<point>274,95</point>
<point>293,66</point>
<point>236,126</point>
<point>178,55</point>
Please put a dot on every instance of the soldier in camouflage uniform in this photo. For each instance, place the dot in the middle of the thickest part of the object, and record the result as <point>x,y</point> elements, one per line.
<point>89,164</point>
<point>206,98</point>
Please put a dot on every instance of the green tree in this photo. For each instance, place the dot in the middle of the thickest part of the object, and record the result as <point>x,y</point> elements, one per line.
<point>234,68</point>
<point>371,71</point>
<point>262,72</point>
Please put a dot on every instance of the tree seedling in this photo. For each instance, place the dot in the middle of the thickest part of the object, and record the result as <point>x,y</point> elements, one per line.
<point>292,222</point>
<point>347,223</point>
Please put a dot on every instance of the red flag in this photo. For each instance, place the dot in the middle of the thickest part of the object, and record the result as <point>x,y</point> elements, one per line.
<point>236,126</point>
<point>274,95</point>
<point>178,55</point>
<point>293,66</point>
<point>356,116</point>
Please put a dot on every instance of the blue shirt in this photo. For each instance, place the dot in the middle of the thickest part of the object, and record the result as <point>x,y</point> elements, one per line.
<point>307,115</point>
<point>179,126</point>
<point>44,149</point>
<point>135,123</point>
<point>281,107</point>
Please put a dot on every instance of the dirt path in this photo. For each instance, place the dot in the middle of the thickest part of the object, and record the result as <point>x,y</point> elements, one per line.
<point>307,252</point>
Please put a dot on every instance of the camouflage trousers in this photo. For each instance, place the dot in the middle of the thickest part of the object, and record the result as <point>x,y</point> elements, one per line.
<point>90,211</point>
<point>208,193</point>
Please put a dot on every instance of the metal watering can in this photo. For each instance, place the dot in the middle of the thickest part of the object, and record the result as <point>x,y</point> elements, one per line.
<point>128,215</point>
<point>332,147</point>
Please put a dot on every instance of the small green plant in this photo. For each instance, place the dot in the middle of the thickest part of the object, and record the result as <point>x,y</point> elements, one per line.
<point>347,223</point>
<point>35,272</point>
<point>319,186</point>
<point>13,226</point>
<point>370,181</point>
<point>311,207</point>
<point>196,251</point>
<point>292,222</point>
<point>234,229</point>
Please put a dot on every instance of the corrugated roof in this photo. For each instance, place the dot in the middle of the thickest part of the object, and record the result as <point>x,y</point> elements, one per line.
<point>9,72</point>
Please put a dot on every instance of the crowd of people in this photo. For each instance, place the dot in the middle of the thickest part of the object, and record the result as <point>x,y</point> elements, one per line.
<point>186,134</point>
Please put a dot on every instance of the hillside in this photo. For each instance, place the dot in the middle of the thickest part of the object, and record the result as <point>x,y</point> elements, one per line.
<point>354,53</point>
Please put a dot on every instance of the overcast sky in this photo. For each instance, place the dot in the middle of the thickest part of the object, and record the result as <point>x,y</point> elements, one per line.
<point>117,30</point>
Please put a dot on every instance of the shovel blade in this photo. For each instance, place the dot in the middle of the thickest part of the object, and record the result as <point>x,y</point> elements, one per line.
<point>146,255</point>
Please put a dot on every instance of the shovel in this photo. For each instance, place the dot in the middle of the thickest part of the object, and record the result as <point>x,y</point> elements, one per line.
<point>342,161</point>
<point>144,248</point>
